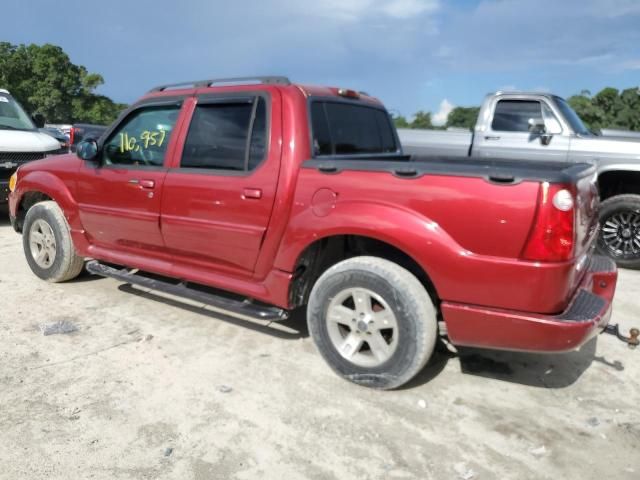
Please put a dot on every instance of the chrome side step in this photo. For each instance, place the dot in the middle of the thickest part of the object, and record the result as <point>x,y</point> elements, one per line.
<point>244,307</point>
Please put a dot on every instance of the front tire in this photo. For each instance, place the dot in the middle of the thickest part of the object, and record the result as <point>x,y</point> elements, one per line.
<point>619,237</point>
<point>372,321</point>
<point>47,244</point>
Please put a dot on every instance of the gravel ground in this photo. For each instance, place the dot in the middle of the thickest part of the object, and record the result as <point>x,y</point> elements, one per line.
<point>152,387</point>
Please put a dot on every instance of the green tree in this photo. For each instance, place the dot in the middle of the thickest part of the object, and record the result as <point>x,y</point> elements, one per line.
<point>400,121</point>
<point>628,116</point>
<point>422,120</point>
<point>463,117</point>
<point>609,108</point>
<point>43,79</point>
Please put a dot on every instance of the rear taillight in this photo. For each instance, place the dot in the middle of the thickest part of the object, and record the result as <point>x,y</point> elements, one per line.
<point>72,134</point>
<point>552,236</point>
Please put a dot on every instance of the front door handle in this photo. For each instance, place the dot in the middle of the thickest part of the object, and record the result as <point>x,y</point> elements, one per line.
<point>148,184</point>
<point>252,193</point>
<point>489,137</point>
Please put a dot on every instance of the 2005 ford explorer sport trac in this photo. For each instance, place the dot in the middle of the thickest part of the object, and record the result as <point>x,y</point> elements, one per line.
<point>274,196</point>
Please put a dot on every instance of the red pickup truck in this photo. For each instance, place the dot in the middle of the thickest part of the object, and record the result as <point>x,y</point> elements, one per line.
<point>259,196</point>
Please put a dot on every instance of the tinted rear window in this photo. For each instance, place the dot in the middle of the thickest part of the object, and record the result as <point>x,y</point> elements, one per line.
<point>347,129</point>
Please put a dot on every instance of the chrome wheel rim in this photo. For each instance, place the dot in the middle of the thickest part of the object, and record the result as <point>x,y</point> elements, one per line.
<point>621,234</point>
<point>42,243</point>
<point>362,327</point>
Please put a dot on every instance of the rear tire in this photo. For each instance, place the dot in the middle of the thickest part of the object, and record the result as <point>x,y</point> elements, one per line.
<point>47,244</point>
<point>619,237</point>
<point>372,321</point>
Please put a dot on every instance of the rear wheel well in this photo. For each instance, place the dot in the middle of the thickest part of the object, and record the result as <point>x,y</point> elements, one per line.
<point>618,183</point>
<point>326,252</point>
<point>28,200</point>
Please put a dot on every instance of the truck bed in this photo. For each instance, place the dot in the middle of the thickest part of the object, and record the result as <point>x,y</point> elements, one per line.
<point>480,213</point>
<point>493,170</point>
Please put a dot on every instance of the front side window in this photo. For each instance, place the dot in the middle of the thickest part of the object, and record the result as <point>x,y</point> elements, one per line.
<point>348,129</point>
<point>227,136</point>
<point>142,139</point>
<point>514,115</point>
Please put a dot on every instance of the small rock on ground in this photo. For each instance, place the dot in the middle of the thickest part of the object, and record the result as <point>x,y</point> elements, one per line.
<point>59,327</point>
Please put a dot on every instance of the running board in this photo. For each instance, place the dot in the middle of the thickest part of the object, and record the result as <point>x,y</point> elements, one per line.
<point>244,307</point>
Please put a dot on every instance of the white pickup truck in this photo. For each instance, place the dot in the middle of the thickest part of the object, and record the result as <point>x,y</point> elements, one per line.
<point>20,140</point>
<point>540,126</point>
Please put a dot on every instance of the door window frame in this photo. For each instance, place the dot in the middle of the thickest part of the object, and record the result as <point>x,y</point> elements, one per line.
<point>222,98</point>
<point>177,101</point>
<point>541,99</point>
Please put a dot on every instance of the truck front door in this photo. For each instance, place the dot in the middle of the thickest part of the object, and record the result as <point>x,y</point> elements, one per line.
<point>508,135</point>
<point>119,196</point>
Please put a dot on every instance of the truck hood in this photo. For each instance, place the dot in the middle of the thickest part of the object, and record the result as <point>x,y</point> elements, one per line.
<point>26,141</point>
<point>606,148</point>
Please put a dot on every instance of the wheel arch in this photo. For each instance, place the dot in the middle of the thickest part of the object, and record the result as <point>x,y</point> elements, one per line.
<point>618,182</point>
<point>324,252</point>
<point>39,186</point>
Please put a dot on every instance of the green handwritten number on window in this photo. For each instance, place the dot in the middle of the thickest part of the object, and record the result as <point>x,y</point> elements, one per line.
<point>147,139</point>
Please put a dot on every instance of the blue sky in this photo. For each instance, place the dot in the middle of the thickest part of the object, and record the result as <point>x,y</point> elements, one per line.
<point>413,54</point>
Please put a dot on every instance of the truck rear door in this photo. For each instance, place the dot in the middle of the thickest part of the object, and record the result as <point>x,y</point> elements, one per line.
<point>219,194</point>
<point>507,135</point>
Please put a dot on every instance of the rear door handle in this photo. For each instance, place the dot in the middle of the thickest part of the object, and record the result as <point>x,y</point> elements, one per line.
<point>488,137</point>
<point>252,193</point>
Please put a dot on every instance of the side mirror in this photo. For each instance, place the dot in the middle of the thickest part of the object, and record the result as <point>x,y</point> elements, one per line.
<point>87,149</point>
<point>537,126</point>
<point>38,120</point>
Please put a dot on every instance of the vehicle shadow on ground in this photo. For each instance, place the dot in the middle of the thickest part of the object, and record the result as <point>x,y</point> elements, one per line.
<point>86,277</point>
<point>294,328</point>
<point>531,369</point>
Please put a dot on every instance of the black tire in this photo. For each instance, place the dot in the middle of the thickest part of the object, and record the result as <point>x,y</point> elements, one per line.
<point>407,299</point>
<point>67,264</point>
<point>612,211</point>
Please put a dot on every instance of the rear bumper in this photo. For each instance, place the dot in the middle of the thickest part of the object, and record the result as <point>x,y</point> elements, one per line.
<point>587,315</point>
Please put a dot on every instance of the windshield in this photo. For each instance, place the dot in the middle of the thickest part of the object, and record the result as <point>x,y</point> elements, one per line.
<point>572,117</point>
<point>12,116</point>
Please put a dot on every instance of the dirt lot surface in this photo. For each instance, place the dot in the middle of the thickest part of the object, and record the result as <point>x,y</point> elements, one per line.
<point>152,387</point>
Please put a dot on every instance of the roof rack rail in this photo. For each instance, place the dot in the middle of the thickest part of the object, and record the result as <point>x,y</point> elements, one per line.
<point>268,80</point>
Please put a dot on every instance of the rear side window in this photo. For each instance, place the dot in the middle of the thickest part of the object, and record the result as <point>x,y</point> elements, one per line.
<point>226,136</point>
<point>514,115</point>
<point>347,129</point>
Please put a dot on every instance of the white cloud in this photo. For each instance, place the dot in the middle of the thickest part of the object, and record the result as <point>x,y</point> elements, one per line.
<point>630,65</point>
<point>440,117</point>
<point>615,9</point>
<point>521,35</point>
<point>356,10</point>
<point>409,8</point>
